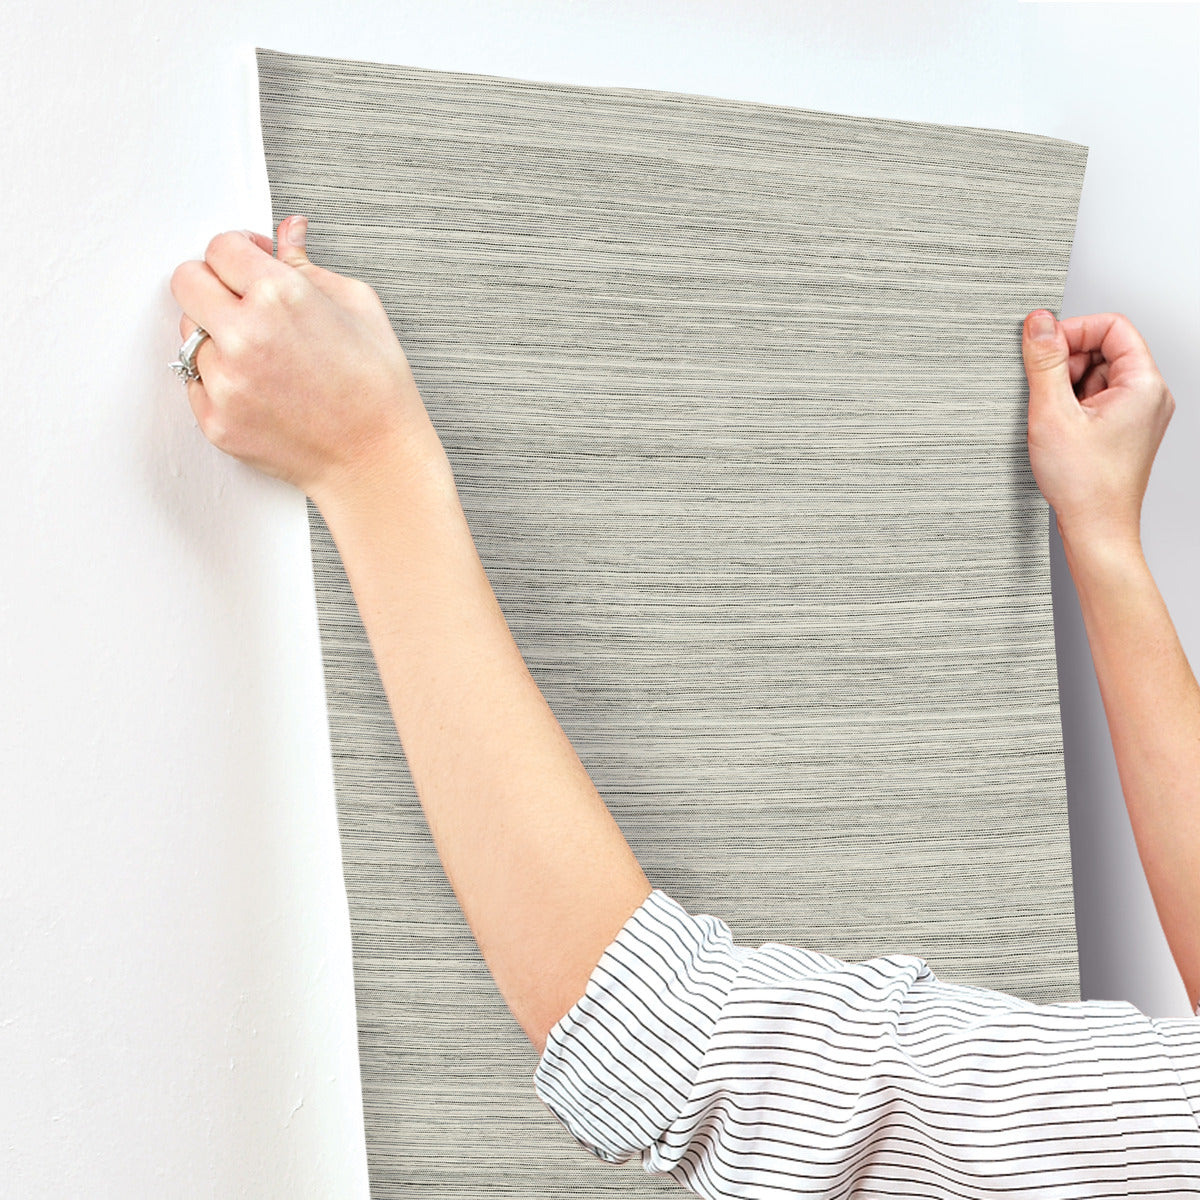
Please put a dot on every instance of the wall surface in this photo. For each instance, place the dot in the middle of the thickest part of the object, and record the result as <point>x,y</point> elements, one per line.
<point>176,998</point>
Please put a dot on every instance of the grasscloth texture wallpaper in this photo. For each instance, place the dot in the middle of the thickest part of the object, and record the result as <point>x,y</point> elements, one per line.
<point>734,399</point>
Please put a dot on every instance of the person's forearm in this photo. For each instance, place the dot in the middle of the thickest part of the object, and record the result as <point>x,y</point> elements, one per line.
<point>1152,702</point>
<point>540,868</point>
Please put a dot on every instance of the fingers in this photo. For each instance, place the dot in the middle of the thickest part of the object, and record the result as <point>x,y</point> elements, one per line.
<point>198,397</point>
<point>1079,363</point>
<point>292,231</point>
<point>293,251</point>
<point>209,291</point>
<point>1107,337</point>
<point>1096,380</point>
<point>237,259</point>
<point>203,296</point>
<point>1046,356</point>
<point>261,240</point>
<point>186,328</point>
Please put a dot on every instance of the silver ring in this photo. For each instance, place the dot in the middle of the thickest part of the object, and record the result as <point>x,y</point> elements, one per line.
<point>185,366</point>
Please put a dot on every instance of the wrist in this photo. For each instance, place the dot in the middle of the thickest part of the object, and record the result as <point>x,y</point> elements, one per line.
<point>1091,548</point>
<point>406,467</point>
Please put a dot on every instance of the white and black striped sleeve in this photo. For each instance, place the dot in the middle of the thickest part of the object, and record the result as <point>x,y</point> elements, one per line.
<point>778,1072</point>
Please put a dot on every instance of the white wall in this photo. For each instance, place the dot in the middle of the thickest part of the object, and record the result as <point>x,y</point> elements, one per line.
<point>176,999</point>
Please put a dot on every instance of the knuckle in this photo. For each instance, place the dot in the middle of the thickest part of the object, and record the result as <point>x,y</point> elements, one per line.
<point>261,291</point>
<point>270,291</point>
<point>1042,356</point>
<point>291,288</point>
<point>234,343</point>
<point>217,241</point>
<point>180,275</point>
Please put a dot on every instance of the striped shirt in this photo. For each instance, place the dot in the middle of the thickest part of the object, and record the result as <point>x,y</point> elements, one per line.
<point>777,1072</point>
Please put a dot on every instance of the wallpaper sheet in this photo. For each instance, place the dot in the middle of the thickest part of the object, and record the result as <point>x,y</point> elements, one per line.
<point>734,399</point>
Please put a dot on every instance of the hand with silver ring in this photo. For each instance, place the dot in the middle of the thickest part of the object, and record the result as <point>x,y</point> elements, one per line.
<point>296,370</point>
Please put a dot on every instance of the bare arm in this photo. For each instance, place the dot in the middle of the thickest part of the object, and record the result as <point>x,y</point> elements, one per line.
<point>541,870</point>
<point>303,378</point>
<point>1152,703</point>
<point>1098,409</point>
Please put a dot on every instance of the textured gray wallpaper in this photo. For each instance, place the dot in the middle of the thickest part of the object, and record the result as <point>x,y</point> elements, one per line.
<point>734,398</point>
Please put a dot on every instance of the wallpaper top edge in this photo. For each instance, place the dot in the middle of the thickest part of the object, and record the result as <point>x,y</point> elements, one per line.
<point>280,61</point>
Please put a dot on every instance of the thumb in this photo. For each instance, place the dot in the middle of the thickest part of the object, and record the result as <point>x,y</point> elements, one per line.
<point>293,252</point>
<point>292,231</point>
<point>1047,357</point>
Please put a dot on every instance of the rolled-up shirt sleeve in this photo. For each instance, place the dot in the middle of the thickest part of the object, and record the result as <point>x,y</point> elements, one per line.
<point>620,1066</point>
<point>780,1071</point>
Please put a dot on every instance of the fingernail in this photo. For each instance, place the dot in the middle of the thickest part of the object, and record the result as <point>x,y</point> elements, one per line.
<point>1041,324</point>
<point>296,228</point>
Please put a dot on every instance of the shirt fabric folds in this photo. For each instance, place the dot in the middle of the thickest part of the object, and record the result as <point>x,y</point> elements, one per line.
<point>780,1072</point>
